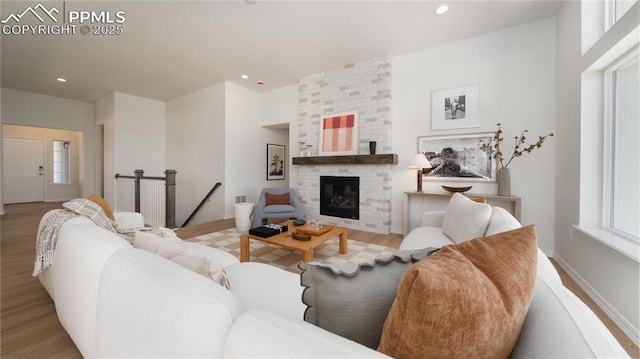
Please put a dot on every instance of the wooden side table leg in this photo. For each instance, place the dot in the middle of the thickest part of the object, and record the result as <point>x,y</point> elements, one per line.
<point>307,255</point>
<point>244,248</point>
<point>343,242</point>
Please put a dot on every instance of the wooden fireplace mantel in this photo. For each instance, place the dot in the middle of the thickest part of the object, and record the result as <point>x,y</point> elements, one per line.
<point>382,159</point>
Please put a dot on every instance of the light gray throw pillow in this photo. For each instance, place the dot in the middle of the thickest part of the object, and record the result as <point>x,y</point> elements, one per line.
<point>353,300</point>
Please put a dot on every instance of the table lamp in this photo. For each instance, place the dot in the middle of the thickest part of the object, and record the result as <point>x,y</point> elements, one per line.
<point>419,162</point>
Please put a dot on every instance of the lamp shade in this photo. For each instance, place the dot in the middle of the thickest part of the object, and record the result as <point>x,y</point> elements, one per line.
<point>419,161</point>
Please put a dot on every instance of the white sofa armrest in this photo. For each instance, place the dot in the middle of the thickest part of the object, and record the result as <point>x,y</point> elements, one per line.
<point>128,220</point>
<point>432,219</point>
<point>560,325</point>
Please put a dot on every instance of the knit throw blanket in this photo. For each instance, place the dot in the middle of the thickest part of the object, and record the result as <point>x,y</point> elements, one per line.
<point>53,220</point>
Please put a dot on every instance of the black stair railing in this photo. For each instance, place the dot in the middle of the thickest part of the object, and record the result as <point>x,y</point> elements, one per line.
<point>170,193</point>
<point>204,200</point>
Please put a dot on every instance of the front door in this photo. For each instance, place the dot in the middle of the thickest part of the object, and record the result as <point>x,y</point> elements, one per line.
<point>23,170</point>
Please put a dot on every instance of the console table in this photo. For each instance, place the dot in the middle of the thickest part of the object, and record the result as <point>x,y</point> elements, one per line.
<point>434,201</point>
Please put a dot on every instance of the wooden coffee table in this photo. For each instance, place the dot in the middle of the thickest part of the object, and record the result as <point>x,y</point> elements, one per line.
<point>285,240</point>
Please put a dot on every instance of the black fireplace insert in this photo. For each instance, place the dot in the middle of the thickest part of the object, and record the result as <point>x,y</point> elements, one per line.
<point>340,196</point>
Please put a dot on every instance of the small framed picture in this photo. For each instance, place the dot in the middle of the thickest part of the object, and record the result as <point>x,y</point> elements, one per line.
<point>455,108</point>
<point>339,134</point>
<point>275,162</point>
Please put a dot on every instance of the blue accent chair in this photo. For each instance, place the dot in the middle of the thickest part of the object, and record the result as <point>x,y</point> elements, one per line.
<point>293,210</point>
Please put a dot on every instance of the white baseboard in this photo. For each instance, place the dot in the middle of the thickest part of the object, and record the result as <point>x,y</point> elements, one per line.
<point>600,301</point>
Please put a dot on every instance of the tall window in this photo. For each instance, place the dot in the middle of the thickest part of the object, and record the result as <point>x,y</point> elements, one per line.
<point>61,161</point>
<point>622,178</point>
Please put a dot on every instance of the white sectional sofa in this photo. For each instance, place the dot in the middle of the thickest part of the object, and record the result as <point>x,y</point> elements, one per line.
<point>116,301</point>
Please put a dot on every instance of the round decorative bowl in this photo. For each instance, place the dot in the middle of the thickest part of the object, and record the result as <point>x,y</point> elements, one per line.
<point>301,236</point>
<point>457,189</point>
<point>299,222</point>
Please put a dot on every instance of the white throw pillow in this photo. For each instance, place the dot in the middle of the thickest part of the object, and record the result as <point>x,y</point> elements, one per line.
<point>501,221</point>
<point>164,247</point>
<point>172,248</point>
<point>203,264</point>
<point>465,219</point>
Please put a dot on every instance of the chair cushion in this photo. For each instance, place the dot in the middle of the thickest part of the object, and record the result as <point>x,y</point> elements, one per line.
<point>465,301</point>
<point>352,300</point>
<point>465,219</point>
<point>272,198</point>
<point>279,208</point>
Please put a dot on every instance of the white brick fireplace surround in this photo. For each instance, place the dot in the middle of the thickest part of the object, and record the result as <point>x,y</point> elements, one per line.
<point>364,87</point>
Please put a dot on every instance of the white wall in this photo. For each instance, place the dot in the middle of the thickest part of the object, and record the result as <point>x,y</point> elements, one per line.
<point>195,148</point>
<point>134,131</point>
<point>280,107</point>
<point>28,109</point>
<point>139,143</point>
<point>1,175</point>
<point>610,278</point>
<point>139,134</point>
<point>280,110</point>
<point>246,146</point>
<point>515,71</point>
<point>54,192</point>
<point>105,117</point>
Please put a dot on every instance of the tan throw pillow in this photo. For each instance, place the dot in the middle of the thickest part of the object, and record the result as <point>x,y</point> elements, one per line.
<point>276,198</point>
<point>202,264</point>
<point>465,301</point>
<point>102,203</point>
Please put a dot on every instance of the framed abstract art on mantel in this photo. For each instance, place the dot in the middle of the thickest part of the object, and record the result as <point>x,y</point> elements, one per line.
<point>339,134</point>
<point>455,108</point>
<point>275,162</point>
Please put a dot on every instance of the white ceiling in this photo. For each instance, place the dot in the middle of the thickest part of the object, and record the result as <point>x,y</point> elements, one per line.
<point>171,48</point>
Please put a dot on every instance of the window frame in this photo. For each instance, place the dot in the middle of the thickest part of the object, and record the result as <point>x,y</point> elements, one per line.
<point>609,143</point>
<point>68,163</point>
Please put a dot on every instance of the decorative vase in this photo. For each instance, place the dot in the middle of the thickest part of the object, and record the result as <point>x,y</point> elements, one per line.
<point>372,147</point>
<point>504,182</point>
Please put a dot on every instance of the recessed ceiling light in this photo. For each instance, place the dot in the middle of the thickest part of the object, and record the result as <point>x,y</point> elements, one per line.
<point>244,77</point>
<point>441,9</point>
<point>61,79</point>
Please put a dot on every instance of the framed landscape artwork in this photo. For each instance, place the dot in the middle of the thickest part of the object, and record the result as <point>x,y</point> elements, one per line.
<point>339,134</point>
<point>458,157</point>
<point>455,108</point>
<point>275,162</point>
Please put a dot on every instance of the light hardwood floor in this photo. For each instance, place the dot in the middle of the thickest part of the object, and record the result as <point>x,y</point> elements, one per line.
<point>30,326</point>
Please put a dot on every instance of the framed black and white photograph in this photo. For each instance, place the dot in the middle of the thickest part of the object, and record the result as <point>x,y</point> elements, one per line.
<point>458,157</point>
<point>275,162</point>
<point>455,108</point>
